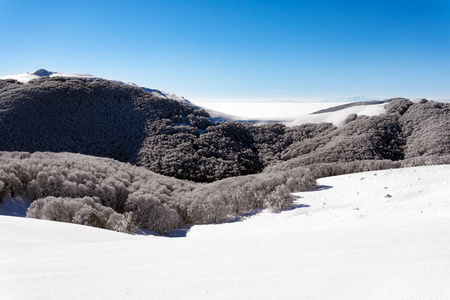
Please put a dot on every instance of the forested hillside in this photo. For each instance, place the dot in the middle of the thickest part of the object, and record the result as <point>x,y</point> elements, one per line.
<point>208,172</point>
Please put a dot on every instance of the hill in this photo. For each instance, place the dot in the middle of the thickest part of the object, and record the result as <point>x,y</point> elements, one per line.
<point>58,112</point>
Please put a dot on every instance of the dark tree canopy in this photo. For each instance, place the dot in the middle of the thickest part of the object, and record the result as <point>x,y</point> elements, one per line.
<point>107,119</point>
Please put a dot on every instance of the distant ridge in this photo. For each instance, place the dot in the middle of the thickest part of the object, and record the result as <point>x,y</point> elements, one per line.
<point>353,99</point>
<point>360,103</point>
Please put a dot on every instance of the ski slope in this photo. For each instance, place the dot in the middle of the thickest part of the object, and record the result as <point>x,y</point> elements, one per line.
<point>374,235</point>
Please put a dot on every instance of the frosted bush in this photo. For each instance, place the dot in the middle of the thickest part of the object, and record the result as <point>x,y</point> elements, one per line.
<point>280,198</point>
<point>152,214</point>
<point>84,211</point>
<point>64,176</point>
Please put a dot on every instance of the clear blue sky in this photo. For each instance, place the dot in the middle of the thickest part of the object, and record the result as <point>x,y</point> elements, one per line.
<point>238,49</point>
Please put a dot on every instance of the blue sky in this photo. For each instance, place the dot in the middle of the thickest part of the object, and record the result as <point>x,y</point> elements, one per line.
<point>238,49</point>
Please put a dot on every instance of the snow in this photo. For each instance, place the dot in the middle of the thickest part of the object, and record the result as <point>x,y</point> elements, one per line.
<point>268,110</point>
<point>27,77</point>
<point>288,113</point>
<point>346,240</point>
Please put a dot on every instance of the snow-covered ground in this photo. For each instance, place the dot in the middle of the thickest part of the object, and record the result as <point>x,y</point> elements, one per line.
<point>374,235</point>
<point>288,113</point>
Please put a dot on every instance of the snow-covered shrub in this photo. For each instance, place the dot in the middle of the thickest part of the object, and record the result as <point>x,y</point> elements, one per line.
<point>84,211</point>
<point>340,168</point>
<point>199,122</point>
<point>280,198</point>
<point>426,161</point>
<point>211,209</point>
<point>152,214</point>
<point>225,199</point>
<point>66,176</point>
<point>90,217</point>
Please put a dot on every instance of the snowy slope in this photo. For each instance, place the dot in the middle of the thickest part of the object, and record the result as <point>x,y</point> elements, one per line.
<point>347,240</point>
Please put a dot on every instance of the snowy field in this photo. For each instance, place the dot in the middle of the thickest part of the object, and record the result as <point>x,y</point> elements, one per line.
<point>374,235</point>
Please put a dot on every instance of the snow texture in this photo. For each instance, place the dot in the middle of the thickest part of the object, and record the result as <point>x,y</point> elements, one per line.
<point>346,240</point>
